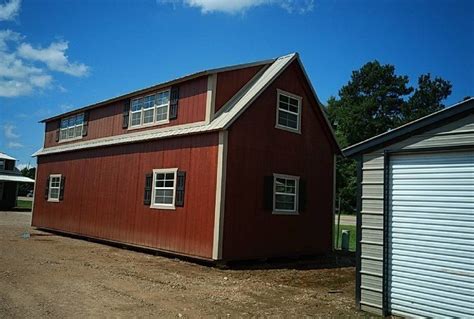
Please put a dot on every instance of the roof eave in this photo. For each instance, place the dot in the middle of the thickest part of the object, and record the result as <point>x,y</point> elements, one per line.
<point>410,128</point>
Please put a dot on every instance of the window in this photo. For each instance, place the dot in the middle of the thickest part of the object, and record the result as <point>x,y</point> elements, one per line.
<point>288,112</point>
<point>54,188</point>
<point>285,194</point>
<point>150,109</point>
<point>164,186</point>
<point>71,127</point>
<point>2,164</point>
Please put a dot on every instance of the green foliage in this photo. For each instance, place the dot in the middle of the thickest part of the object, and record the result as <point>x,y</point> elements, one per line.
<point>24,188</point>
<point>374,101</point>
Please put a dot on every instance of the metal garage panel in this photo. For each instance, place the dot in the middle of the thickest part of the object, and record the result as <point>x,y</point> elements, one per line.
<point>431,235</point>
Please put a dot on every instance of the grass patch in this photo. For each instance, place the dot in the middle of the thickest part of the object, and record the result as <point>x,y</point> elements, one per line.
<point>24,204</point>
<point>352,238</point>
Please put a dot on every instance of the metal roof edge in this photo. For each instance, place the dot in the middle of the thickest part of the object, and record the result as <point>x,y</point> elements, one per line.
<point>321,105</point>
<point>392,136</point>
<point>162,85</point>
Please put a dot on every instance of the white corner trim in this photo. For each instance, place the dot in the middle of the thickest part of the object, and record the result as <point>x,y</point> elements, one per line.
<point>220,196</point>
<point>211,97</point>
<point>34,191</point>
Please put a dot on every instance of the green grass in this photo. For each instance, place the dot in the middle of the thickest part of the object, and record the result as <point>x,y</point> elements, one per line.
<point>24,204</point>
<point>352,239</point>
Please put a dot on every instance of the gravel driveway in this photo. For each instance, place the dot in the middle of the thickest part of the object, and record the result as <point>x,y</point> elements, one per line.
<point>47,275</point>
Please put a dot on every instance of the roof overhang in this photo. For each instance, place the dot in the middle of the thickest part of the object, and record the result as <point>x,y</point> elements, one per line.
<point>425,123</point>
<point>15,178</point>
<point>5,156</point>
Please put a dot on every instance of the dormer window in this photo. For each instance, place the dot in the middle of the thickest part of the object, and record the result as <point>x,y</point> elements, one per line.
<point>288,112</point>
<point>71,127</point>
<point>150,110</point>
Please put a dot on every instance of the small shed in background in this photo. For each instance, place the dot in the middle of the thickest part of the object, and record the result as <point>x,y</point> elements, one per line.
<point>415,221</point>
<point>9,179</point>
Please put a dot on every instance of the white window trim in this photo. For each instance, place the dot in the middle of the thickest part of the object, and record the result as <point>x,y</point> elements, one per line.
<point>153,188</point>
<point>54,200</point>
<point>297,186</point>
<point>142,113</point>
<point>293,96</point>
<point>67,139</point>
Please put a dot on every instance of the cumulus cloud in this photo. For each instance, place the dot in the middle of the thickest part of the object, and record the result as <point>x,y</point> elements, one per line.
<point>236,6</point>
<point>25,68</point>
<point>11,136</point>
<point>9,10</point>
<point>54,57</point>
<point>15,145</point>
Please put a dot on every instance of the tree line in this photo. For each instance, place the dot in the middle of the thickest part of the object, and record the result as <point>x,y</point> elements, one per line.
<point>376,100</point>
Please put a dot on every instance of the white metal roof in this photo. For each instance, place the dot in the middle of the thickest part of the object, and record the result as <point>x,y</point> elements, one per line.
<point>15,178</point>
<point>5,156</point>
<point>222,120</point>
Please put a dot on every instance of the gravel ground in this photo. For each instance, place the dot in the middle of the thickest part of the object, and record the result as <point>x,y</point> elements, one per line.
<point>47,275</point>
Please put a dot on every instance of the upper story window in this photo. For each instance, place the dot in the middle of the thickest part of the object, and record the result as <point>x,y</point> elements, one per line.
<point>71,127</point>
<point>2,164</point>
<point>288,111</point>
<point>150,109</point>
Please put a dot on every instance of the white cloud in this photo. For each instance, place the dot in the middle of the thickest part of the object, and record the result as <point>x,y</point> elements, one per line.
<point>54,57</point>
<point>8,131</point>
<point>25,69</point>
<point>9,10</point>
<point>14,145</point>
<point>236,6</point>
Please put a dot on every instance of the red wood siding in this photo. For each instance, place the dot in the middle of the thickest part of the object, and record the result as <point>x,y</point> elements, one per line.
<point>249,230</point>
<point>104,192</point>
<point>230,82</point>
<point>107,120</point>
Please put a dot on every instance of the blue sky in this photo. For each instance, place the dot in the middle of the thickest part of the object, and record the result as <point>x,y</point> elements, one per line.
<point>58,55</point>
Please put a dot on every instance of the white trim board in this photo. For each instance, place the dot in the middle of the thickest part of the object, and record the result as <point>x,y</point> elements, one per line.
<point>220,196</point>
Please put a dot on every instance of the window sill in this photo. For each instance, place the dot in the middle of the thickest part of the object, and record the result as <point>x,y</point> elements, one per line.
<point>284,128</point>
<point>276,212</point>
<point>165,207</point>
<point>70,139</point>
<point>52,200</point>
<point>136,127</point>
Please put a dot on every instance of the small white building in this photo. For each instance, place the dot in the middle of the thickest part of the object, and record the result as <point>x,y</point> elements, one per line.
<point>415,220</point>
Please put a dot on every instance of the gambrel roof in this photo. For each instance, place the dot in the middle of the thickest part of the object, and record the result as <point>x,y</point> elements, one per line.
<point>221,121</point>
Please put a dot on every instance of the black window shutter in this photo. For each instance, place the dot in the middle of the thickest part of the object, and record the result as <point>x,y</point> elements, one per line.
<point>174,98</point>
<point>180,186</point>
<point>57,131</point>
<point>61,187</point>
<point>85,125</point>
<point>268,193</point>
<point>46,190</point>
<point>126,113</point>
<point>148,185</point>
<point>301,195</point>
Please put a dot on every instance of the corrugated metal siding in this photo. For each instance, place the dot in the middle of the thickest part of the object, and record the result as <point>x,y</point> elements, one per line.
<point>431,238</point>
<point>372,233</point>
<point>456,133</point>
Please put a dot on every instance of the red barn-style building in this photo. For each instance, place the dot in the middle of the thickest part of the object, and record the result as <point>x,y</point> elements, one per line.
<point>225,164</point>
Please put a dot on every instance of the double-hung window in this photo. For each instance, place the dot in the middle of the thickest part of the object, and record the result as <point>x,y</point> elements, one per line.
<point>2,164</point>
<point>288,111</point>
<point>71,127</point>
<point>164,188</point>
<point>54,188</point>
<point>285,194</point>
<point>150,109</point>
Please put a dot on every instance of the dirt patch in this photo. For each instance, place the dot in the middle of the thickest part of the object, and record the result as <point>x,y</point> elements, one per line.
<point>44,275</point>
